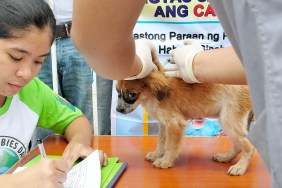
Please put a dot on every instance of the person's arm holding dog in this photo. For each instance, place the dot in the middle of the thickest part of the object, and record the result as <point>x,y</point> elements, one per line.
<point>110,50</point>
<point>194,65</point>
<point>106,40</point>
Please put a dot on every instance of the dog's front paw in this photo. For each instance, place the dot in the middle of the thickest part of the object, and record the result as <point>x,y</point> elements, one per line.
<point>162,163</point>
<point>222,157</point>
<point>152,156</point>
<point>236,170</point>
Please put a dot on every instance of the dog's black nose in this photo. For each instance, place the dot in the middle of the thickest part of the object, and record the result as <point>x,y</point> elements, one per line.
<point>120,109</point>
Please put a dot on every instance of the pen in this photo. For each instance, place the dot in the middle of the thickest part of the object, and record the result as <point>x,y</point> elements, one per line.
<point>41,147</point>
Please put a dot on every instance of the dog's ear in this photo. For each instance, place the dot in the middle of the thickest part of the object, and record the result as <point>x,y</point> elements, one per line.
<point>156,60</point>
<point>158,85</point>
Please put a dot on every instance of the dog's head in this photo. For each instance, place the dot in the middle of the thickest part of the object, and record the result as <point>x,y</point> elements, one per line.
<point>131,93</point>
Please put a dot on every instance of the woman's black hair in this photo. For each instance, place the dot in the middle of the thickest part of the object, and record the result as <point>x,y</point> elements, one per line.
<point>17,15</point>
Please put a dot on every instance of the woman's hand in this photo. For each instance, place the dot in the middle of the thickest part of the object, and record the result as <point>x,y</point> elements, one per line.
<point>181,64</point>
<point>144,51</point>
<point>47,173</point>
<point>76,149</point>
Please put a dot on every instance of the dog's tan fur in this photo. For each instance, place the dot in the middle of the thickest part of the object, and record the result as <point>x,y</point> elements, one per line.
<point>172,102</point>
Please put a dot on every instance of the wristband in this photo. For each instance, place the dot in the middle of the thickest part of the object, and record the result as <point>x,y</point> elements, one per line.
<point>140,74</point>
<point>189,66</point>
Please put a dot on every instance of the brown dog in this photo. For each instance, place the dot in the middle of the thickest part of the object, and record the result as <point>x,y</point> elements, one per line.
<point>172,102</point>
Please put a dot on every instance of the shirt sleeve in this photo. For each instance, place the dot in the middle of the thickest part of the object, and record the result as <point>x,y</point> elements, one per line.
<point>55,112</point>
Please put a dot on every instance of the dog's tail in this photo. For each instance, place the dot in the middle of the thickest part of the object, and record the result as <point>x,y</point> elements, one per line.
<point>251,118</point>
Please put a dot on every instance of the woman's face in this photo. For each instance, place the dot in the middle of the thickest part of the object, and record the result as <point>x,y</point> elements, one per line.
<point>21,59</point>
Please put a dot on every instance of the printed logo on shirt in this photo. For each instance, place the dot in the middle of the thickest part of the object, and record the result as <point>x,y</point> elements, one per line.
<point>11,150</point>
<point>63,101</point>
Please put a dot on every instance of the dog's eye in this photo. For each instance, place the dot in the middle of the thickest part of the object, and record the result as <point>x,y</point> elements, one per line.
<point>132,96</point>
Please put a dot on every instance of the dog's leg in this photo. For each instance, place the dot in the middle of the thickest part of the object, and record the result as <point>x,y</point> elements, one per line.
<point>228,129</point>
<point>160,150</point>
<point>247,152</point>
<point>173,143</point>
<point>228,156</point>
<point>238,136</point>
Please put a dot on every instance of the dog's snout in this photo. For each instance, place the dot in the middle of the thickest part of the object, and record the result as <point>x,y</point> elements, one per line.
<point>120,109</point>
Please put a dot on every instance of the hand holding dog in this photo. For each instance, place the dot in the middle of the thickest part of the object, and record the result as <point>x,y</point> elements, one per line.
<point>181,64</point>
<point>144,50</point>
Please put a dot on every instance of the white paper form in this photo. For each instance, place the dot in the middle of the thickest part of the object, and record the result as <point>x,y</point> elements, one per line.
<point>85,174</point>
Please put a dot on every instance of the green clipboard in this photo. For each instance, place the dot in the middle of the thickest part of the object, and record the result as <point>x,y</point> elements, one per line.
<point>109,174</point>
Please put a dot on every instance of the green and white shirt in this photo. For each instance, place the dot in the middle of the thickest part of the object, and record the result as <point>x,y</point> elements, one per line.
<point>35,105</point>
